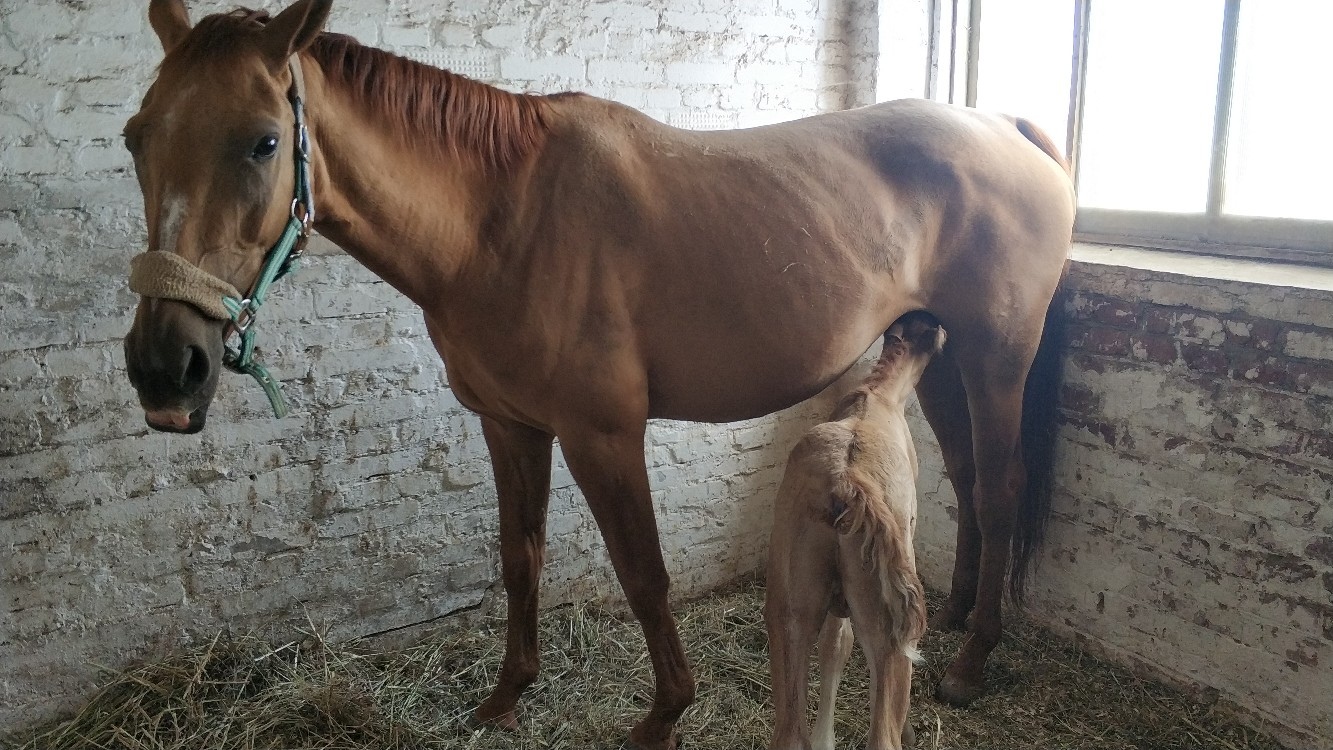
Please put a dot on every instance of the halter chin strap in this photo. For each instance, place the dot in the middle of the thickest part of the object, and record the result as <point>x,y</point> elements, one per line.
<point>166,275</point>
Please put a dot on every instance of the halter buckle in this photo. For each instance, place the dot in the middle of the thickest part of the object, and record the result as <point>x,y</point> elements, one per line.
<point>243,316</point>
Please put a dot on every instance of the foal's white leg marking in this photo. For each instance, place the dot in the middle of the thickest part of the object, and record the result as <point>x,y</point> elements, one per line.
<point>835,646</point>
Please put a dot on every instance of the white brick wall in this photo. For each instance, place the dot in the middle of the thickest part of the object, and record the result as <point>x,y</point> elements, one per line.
<point>371,506</point>
<point>1197,543</point>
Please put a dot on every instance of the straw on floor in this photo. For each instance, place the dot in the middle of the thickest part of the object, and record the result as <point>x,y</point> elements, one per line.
<point>244,694</point>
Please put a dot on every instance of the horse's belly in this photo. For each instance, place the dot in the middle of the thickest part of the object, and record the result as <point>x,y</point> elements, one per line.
<point>709,384</point>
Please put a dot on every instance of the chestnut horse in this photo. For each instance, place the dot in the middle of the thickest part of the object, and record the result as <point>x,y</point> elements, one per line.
<point>583,268</point>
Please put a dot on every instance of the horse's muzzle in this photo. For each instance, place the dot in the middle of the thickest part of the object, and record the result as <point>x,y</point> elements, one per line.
<point>168,420</point>
<point>173,356</point>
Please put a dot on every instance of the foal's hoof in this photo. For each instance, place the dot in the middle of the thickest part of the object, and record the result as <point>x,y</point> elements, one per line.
<point>960,692</point>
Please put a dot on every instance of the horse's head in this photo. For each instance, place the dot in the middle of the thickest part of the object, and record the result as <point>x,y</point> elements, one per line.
<point>212,147</point>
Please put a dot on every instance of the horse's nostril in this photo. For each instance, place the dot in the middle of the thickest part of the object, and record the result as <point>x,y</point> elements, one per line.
<point>196,370</point>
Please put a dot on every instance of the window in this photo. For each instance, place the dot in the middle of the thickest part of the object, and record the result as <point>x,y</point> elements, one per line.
<point>1192,124</point>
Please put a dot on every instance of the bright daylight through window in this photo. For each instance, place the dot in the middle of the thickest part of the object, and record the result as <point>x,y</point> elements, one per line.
<point>1200,124</point>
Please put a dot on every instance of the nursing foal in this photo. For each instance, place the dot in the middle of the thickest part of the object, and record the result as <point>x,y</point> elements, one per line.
<point>842,546</point>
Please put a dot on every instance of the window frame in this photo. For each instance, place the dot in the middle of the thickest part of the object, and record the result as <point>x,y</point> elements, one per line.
<point>954,50</point>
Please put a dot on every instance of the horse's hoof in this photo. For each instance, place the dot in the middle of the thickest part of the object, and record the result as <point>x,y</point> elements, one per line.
<point>959,692</point>
<point>637,741</point>
<point>506,720</point>
<point>909,736</point>
<point>947,621</point>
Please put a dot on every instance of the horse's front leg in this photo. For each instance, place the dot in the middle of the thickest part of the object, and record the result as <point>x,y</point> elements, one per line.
<point>521,460</point>
<point>609,467</point>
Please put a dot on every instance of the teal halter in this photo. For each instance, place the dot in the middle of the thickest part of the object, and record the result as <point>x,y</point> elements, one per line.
<point>281,259</point>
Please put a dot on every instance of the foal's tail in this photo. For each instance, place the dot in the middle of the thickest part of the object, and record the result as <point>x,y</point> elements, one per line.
<point>885,545</point>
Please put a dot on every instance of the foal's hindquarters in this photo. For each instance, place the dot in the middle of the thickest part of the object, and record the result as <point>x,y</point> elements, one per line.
<point>841,549</point>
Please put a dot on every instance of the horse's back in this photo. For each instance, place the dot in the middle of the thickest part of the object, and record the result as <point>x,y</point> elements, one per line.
<point>778,254</point>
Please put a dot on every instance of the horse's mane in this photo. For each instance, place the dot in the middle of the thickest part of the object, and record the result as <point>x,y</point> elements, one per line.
<point>427,106</point>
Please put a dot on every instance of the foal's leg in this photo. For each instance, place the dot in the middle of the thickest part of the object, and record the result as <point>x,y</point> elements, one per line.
<point>944,403</point>
<point>800,582</point>
<point>835,647</point>
<point>609,468</point>
<point>995,398</point>
<point>890,695</point>
<point>876,623</point>
<point>521,460</point>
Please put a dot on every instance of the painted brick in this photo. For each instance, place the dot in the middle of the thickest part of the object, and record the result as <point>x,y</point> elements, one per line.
<point>701,73</point>
<point>1194,463</point>
<point>623,71</point>
<point>540,69</point>
<point>505,37</point>
<point>771,73</point>
<point>691,21</point>
<point>455,35</point>
<point>400,36</point>
<point>1309,344</point>
<point>624,15</point>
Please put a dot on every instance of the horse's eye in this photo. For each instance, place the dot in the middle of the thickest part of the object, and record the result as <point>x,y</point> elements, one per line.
<point>265,149</point>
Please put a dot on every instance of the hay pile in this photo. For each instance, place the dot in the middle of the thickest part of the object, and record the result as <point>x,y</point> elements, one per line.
<point>242,693</point>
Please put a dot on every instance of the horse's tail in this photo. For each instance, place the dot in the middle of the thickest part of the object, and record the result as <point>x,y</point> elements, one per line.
<point>1040,427</point>
<point>1041,140</point>
<point>885,545</point>
<point>1041,410</point>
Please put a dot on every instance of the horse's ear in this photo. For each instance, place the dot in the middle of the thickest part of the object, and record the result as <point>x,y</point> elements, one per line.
<point>294,29</point>
<point>170,21</point>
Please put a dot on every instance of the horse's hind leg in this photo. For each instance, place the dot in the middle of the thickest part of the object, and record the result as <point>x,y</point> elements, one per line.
<point>944,402</point>
<point>609,468</point>
<point>994,382</point>
<point>521,460</point>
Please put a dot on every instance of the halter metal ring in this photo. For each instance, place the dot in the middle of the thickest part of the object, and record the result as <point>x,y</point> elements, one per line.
<point>302,213</point>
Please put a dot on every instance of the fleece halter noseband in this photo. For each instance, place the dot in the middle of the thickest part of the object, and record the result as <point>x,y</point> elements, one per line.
<point>165,275</point>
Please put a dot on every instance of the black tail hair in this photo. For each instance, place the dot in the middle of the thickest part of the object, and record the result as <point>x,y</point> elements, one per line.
<point>1040,428</point>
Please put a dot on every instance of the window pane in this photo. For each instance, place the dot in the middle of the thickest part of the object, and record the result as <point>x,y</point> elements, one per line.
<point>1148,104</point>
<point>1025,62</point>
<point>1280,151</point>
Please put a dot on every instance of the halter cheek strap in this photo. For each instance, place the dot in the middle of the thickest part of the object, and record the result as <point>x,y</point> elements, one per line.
<point>168,276</point>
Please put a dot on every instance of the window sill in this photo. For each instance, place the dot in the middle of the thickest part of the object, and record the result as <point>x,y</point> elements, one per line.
<point>1205,266</point>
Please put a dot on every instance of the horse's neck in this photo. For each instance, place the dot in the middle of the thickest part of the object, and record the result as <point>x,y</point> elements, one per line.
<point>414,216</point>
